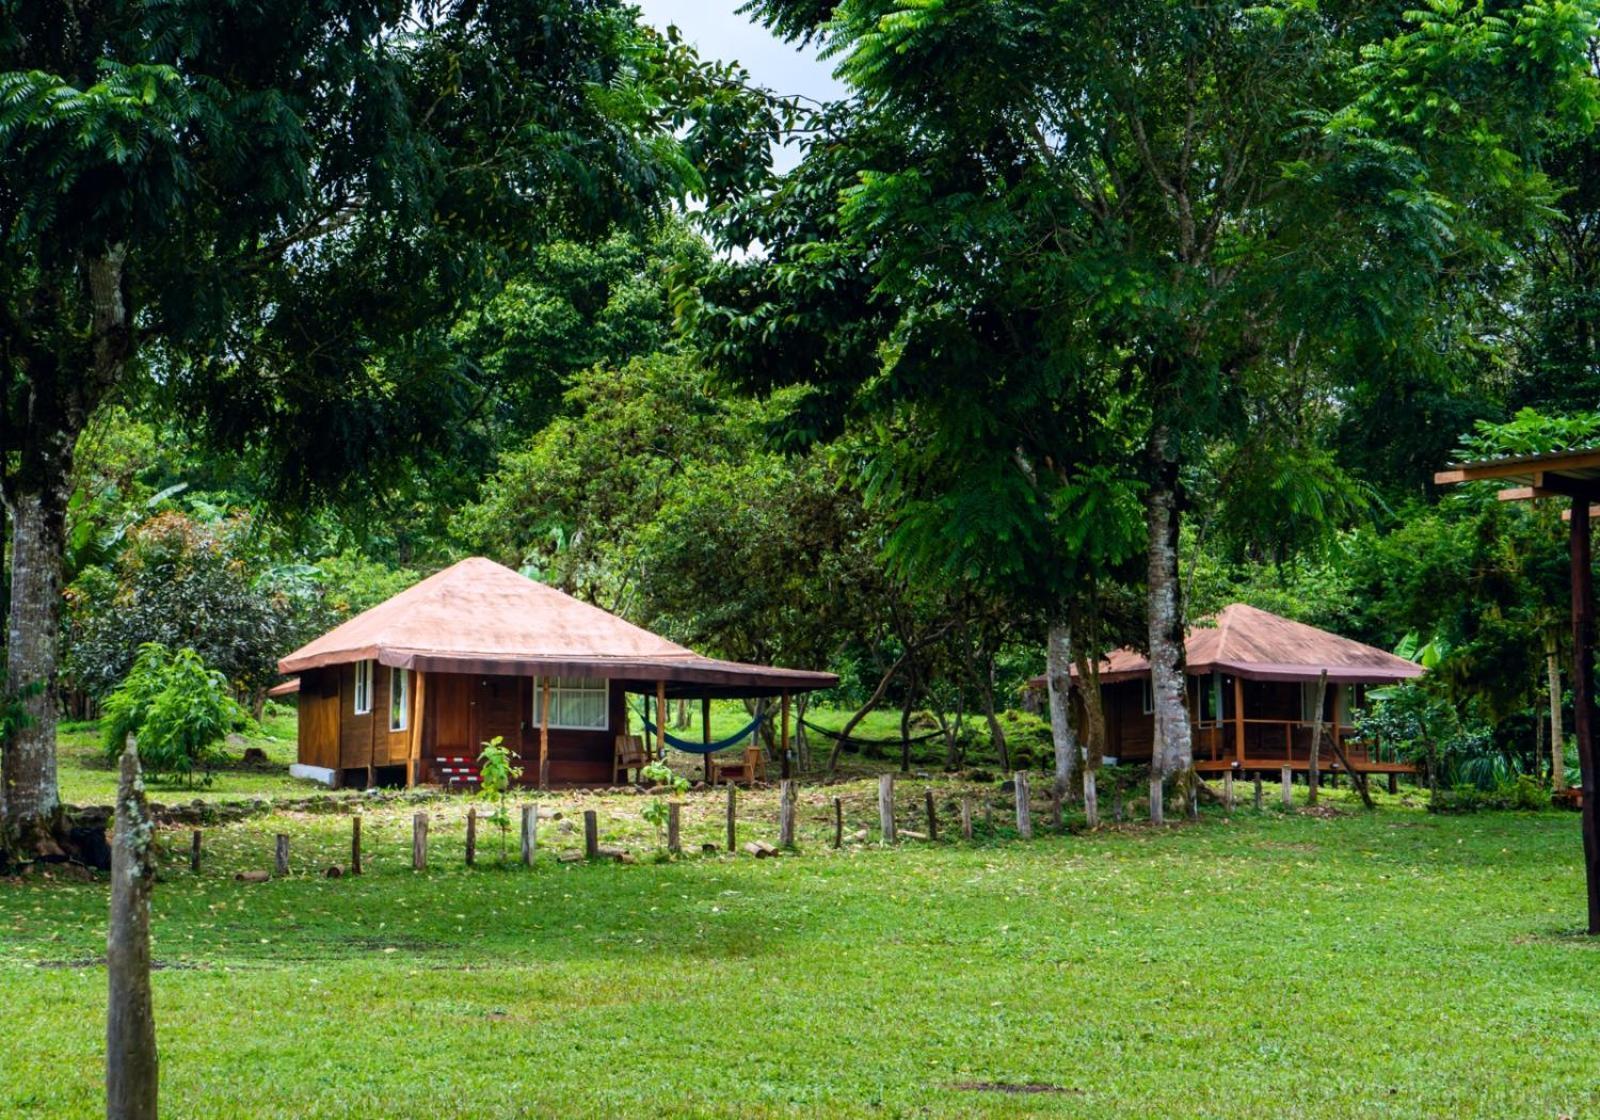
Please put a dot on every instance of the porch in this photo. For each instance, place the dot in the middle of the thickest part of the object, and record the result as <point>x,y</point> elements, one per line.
<point>1247,745</point>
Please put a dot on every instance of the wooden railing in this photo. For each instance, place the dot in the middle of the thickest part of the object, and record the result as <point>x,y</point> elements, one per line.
<point>1288,740</point>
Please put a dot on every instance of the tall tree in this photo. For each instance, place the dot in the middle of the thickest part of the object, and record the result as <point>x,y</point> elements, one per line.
<point>272,212</point>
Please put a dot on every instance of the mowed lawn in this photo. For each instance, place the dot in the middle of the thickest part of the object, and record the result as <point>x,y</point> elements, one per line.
<point>1388,964</point>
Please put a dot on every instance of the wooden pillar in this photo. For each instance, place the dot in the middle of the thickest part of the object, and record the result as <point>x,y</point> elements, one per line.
<point>1024,809</point>
<point>733,817</point>
<point>1238,719</point>
<point>131,1068</point>
<point>591,834</point>
<point>784,737</point>
<point>786,806</point>
<point>886,807</point>
<point>705,736</point>
<point>1583,704</point>
<point>355,844</point>
<point>419,842</point>
<point>472,835</point>
<point>544,733</point>
<point>418,712</point>
<point>530,833</point>
<point>661,720</point>
<point>674,841</point>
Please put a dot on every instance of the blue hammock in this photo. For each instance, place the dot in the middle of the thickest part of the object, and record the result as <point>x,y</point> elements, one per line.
<point>693,747</point>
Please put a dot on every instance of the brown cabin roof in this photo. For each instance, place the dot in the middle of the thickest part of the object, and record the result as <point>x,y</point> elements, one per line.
<point>480,617</point>
<point>1248,642</point>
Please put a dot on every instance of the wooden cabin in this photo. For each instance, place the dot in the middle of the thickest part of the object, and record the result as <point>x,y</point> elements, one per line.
<point>1252,689</point>
<point>409,691</point>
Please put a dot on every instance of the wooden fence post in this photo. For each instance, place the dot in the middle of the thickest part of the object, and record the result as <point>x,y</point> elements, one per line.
<point>281,854</point>
<point>886,807</point>
<point>131,1080</point>
<point>1260,802</point>
<point>838,822</point>
<point>1194,797</point>
<point>1057,819</point>
<point>988,816</point>
<point>530,833</point>
<point>733,841</point>
<point>1288,788</point>
<point>472,835</point>
<point>786,813</point>
<point>933,814</point>
<point>674,842</point>
<point>419,842</point>
<point>1158,796</point>
<point>1024,810</point>
<point>1227,790</point>
<point>1116,803</point>
<point>591,830</point>
<point>1394,782</point>
<point>966,818</point>
<point>355,844</point>
<point>194,852</point>
<point>1091,798</point>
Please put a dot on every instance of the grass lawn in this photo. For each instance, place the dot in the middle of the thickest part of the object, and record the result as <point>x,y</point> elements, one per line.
<point>1391,964</point>
<point>88,779</point>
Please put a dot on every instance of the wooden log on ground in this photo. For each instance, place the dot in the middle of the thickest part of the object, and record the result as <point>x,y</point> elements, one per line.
<point>281,854</point>
<point>530,833</point>
<point>760,849</point>
<point>1158,796</point>
<point>253,876</point>
<point>886,825</point>
<point>131,1066</point>
<point>966,818</point>
<point>419,842</point>
<point>733,830</point>
<point>838,822</point>
<point>859,836</point>
<point>1288,788</point>
<point>674,840</point>
<point>1260,795</point>
<point>786,798</point>
<point>472,835</point>
<point>591,829</point>
<point>933,814</point>
<point>355,844</point>
<point>1024,810</point>
<point>194,852</point>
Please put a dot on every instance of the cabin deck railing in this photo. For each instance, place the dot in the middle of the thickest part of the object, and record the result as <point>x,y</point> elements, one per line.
<point>1283,741</point>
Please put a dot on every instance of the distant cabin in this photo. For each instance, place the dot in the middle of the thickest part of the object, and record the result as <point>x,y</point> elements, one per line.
<point>1252,695</point>
<point>408,691</point>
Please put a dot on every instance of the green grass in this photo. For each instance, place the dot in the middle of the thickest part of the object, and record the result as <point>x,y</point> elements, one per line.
<point>88,779</point>
<point>1392,964</point>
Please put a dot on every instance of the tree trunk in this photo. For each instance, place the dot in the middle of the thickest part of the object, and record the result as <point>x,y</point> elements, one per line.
<point>1558,746</point>
<point>905,721</point>
<point>130,1020</point>
<point>1172,752</point>
<point>1058,679</point>
<point>32,801</point>
<point>861,712</point>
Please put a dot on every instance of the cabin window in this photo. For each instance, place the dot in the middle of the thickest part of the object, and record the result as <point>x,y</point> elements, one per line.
<point>361,695</point>
<point>1211,699</point>
<point>577,704</point>
<point>1308,702</point>
<point>399,699</point>
<point>1147,701</point>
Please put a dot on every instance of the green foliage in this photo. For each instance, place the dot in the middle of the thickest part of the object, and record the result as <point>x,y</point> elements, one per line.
<point>178,710</point>
<point>498,773</point>
<point>658,773</point>
<point>1519,792</point>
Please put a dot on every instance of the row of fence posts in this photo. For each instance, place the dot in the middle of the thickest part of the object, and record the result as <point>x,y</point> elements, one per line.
<point>888,826</point>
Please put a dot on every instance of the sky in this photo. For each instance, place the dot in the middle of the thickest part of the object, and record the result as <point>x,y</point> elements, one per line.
<point>718,32</point>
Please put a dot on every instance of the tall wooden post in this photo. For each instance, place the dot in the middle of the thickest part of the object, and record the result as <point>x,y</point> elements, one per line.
<point>544,733</point>
<point>131,1071</point>
<point>355,844</point>
<point>784,735</point>
<point>674,834</point>
<point>530,833</point>
<point>1238,719</point>
<point>418,685</point>
<point>591,834</point>
<point>661,720</point>
<point>705,735</point>
<point>886,807</point>
<point>733,817</point>
<point>1583,704</point>
<point>1024,809</point>
<point>786,806</point>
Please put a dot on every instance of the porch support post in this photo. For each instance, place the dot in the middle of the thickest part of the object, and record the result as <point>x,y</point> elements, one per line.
<point>544,733</point>
<point>1238,718</point>
<point>1583,697</point>
<point>784,739</point>
<point>661,720</point>
<point>705,733</point>
<point>417,712</point>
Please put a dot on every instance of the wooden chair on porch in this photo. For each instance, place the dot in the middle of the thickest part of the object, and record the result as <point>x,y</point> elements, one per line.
<point>631,754</point>
<point>751,768</point>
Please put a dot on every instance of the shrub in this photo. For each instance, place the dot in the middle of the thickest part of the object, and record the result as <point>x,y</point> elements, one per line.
<point>1520,792</point>
<point>177,709</point>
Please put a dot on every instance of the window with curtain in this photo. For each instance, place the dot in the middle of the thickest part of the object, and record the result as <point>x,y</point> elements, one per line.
<point>576,704</point>
<point>399,699</point>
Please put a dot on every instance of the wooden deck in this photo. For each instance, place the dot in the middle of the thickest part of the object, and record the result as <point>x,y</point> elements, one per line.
<point>1269,745</point>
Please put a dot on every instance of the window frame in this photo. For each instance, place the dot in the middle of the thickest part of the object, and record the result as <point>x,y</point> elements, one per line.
<point>361,692</point>
<point>556,689</point>
<point>403,693</point>
<point>1147,696</point>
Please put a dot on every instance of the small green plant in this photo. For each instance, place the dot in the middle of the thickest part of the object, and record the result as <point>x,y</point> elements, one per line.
<point>660,774</point>
<point>179,710</point>
<point>498,774</point>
